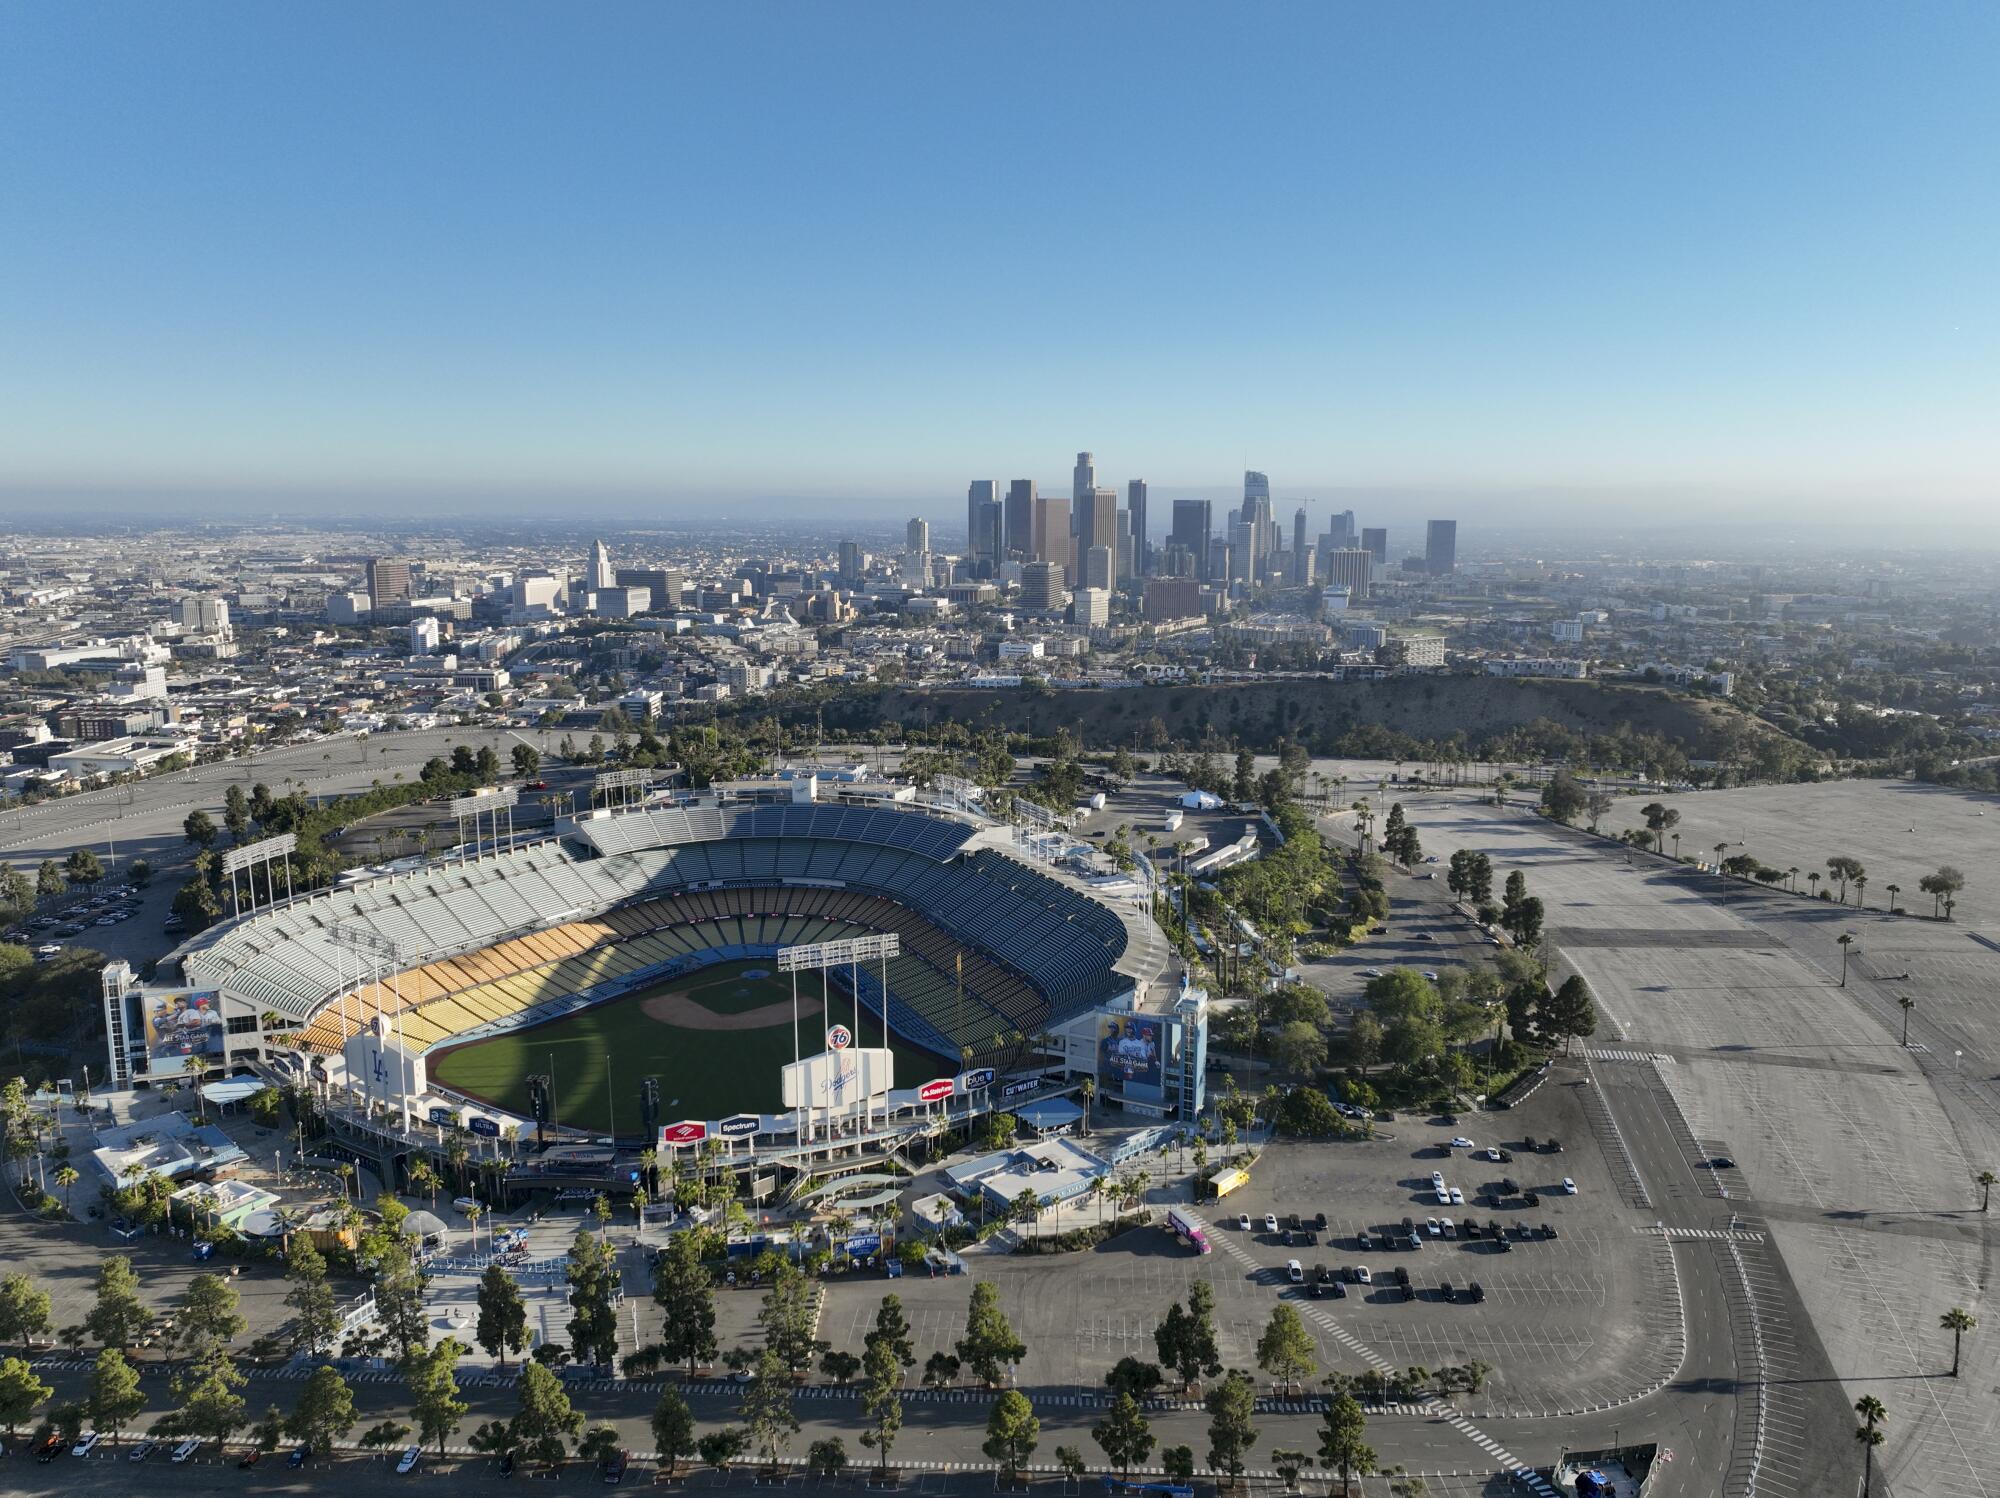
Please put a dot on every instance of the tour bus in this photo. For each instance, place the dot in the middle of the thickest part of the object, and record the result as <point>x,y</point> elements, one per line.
<point>1188,1228</point>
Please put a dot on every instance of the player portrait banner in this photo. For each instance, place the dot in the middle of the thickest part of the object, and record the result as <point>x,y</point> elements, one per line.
<point>1131,1051</point>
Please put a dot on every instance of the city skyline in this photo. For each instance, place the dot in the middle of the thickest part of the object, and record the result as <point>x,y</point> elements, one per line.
<point>1470,259</point>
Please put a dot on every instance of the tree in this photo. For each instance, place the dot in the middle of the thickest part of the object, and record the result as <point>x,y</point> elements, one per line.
<point>788,1320</point>
<point>1941,887</point>
<point>673,1430</point>
<point>119,1318</point>
<point>940,1371</point>
<point>1012,1432</point>
<point>685,1293</point>
<point>386,1433</point>
<point>199,829</point>
<point>1299,1048</point>
<point>20,1392</point>
<point>1232,1429</point>
<point>434,1392</point>
<point>893,1327</point>
<point>527,761</point>
<point>1563,798</point>
<point>1985,1180</point>
<point>196,905</point>
<point>1286,1350</point>
<point>766,1410</point>
<point>721,1447</point>
<point>1843,869</point>
<point>881,1400</point>
<point>399,1297</point>
<point>989,1341</point>
<point>1185,1339</point>
<point>209,1406</point>
<point>544,1422</point>
<point>503,1316</point>
<point>325,1411</point>
<point>1660,820</point>
<point>1178,1463</point>
<point>593,1281</point>
<point>209,1317</point>
<point>839,1365</point>
<point>1869,1434</point>
<point>1343,1447</point>
<point>316,1316</point>
<point>1958,1323</point>
<point>115,1396</point>
<point>1134,1376</point>
<point>827,1458</point>
<point>17,891</point>
<point>1124,1435</point>
<point>49,880</point>
<point>1570,1013</point>
<point>1845,941</point>
<point>82,867</point>
<point>24,1310</point>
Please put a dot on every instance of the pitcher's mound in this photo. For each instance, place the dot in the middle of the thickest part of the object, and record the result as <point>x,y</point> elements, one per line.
<point>680,1010</point>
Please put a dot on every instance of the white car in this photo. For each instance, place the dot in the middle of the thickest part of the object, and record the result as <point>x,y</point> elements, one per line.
<point>1444,1196</point>
<point>1363,1276</point>
<point>1243,1221</point>
<point>1270,1222</point>
<point>1371,972</point>
<point>1450,1228</point>
<point>1432,1227</point>
<point>187,1449</point>
<point>1457,1197</point>
<point>408,1462</point>
<point>1491,1152</point>
<point>87,1445</point>
<point>1295,1271</point>
<point>1569,1186</point>
<point>1437,1180</point>
<point>1429,976</point>
<point>1460,1142</point>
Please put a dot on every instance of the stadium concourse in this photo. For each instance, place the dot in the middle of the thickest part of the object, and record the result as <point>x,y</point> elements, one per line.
<point>357,987</point>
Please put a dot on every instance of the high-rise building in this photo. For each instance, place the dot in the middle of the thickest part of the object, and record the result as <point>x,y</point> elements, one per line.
<point>1094,565</point>
<point>1441,547</point>
<point>1299,547</point>
<point>1095,523</point>
<point>1340,531</point>
<point>203,613</point>
<point>1193,522</point>
<point>600,574</point>
<point>1257,514</point>
<point>1350,567</point>
<point>1375,541</point>
<point>1091,607</point>
<point>1172,598</point>
<point>1042,587</point>
<point>982,521</point>
<point>1052,538</point>
<point>917,536</point>
<point>1020,521</point>
<point>388,582</point>
<point>1243,552</point>
<point>1255,486</point>
<point>1083,478</point>
<point>1123,562</point>
<point>1135,506</point>
<point>424,636</point>
<point>853,561</point>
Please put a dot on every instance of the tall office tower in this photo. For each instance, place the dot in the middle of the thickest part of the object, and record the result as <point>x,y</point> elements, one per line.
<point>1255,486</point>
<point>1123,562</point>
<point>1258,516</point>
<point>1340,531</point>
<point>1299,547</point>
<point>1243,552</point>
<point>1095,523</point>
<point>1083,478</point>
<point>1094,564</point>
<point>388,582</point>
<point>1135,504</point>
<point>987,529</point>
<point>979,493</point>
<point>1192,524</point>
<point>1350,567</point>
<point>1175,560</point>
<point>1020,522</point>
<point>851,561</point>
<point>917,536</point>
<point>1218,565</point>
<point>1375,541</point>
<point>600,574</point>
<point>1305,567</point>
<point>1090,607</point>
<point>1052,537</point>
<point>1042,586</point>
<point>1441,547</point>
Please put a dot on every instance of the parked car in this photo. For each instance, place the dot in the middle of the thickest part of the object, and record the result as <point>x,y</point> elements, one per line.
<point>1243,1221</point>
<point>1271,1222</point>
<point>299,1457</point>
<point>1460,1142</point>
<point>87,1444</point>
<point>49,1450</point>
<point>614,1467</point>
<point>407,1463</point>
<point>140,1452</point>
<point>1569,1186</point>
<point>250,1459</point>
<point>1364,1275</point>
<point>186,1449</point>
<point>1549,1230</point>
<point>1295,1271</point>
<point>1475,1292</point>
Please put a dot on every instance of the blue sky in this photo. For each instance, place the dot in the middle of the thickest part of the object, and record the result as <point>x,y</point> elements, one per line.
<point>870,251</point>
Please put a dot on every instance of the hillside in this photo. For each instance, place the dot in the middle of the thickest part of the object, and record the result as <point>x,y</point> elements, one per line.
<point>1481,712</point>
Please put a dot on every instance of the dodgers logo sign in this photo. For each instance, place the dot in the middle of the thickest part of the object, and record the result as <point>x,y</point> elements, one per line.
<point>839,1038</point>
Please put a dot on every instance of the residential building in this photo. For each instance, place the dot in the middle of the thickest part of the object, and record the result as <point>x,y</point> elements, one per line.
<point>1169,598</point>
<point>917,536</point>
<point>1349,568</point>
<point>388,582</point>
<point>1091,607</point>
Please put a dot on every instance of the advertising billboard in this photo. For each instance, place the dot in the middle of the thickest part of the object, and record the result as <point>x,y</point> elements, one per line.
<point>972,1081</point>
<point>485,1128</point>
<point>183,1030</point>
<point>1131,1051</point>
<point>840,1079</point>
<point>689,1131</point>
<point>938,1091</point>
<point>739,1126</point>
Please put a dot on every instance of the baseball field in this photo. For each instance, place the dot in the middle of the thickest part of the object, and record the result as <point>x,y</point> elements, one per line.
<point>716,1039</point>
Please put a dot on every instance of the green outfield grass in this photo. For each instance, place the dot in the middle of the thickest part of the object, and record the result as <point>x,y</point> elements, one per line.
<point>712,1073</point>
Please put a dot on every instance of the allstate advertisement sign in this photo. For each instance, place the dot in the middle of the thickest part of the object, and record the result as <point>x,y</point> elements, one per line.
<point>936,1092</point>
<point>739,1126</point>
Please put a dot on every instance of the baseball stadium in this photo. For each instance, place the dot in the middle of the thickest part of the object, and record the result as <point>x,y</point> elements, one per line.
<point>645,965</point>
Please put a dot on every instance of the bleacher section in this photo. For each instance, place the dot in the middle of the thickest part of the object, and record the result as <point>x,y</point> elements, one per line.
<point>668,884</point>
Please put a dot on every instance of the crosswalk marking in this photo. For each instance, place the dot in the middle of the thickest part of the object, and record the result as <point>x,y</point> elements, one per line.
<point>1599,1053</point>
<point>1720,1235</point>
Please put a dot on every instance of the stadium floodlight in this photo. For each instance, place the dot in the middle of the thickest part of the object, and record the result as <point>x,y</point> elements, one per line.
<point>492,802</point>
<point>266,853</point>
<point>850,953</point>
<point>620,786</point>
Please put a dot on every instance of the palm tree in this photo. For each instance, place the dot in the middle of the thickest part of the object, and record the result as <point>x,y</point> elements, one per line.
<point>1987,1180</point>
<point>66,1177</point>
<point>1870,1409</point>
<point>1894,890</point>
<point>1846,940</point>
<point>1720,849</point>
<point>1813,880</point>
<point>1861,890</point>
<point>1089,1091</point>
<point>1792,877</point>
<point>472,1216</point>
<point>424,1178</point>
<point>1958,1323</point>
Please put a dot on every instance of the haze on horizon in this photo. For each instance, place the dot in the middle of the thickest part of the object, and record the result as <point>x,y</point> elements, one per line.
<point>1722,266</point>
